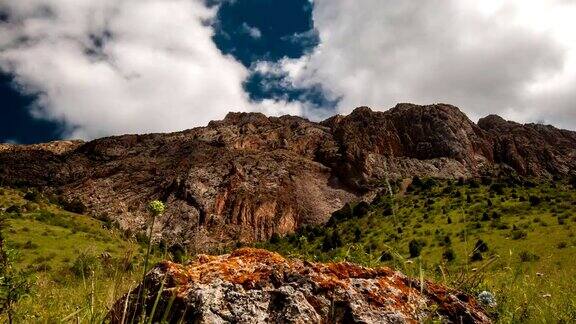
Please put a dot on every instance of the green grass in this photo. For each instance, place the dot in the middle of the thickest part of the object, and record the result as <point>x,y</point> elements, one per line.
<point>78,265</point>
<point>530,264</point>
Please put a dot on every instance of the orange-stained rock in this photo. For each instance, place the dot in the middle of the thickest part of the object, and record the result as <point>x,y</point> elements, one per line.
<point>257,286</point>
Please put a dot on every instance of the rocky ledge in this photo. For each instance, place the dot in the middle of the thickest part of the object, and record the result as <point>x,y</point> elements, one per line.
<point>257,286</point>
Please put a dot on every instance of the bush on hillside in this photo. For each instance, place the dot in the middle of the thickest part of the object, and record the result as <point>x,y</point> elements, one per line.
<point>361,209</point>
<point>33,196</point>
<point>449,255</point>
<point>332,241</point>
<point>497,188</point>
<point>415,247</point>
<point>386,256</point>
<point>75,206</point>
<point>526,256</point>
<point>476,256</point>
<point>573,181</point>
<point>342,214</point>
<point>85,265</point>
<point>481,246</point>
<point>534,200</point>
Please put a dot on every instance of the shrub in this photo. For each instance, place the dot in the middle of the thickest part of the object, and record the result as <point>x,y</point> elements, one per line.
<point>497,188</point>
<point>29,245</point>
<point>460,181</point>
<point>84,265</point>
<point>357,234</point>
<point>518,234</point>
<point>476,256</point>
<point>473,183</point>
<point>275,238</point>
<point>14,209</point>
<point>573,181</point>
<point>386,256</point>
<point>415,247</point>
<point>486,181</point>
<point>33,196</point>
<point>361,209</point>
<point>526,256</point>
<point>534,200</point>
<point>342,214</point>
<point>449,255</point>
<point>75,206</point>
<point>332,241</point>
<point>481,246</point>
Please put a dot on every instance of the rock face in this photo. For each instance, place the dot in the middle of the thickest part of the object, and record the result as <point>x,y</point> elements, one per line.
<point>257,286</point>
<point>249,176</point>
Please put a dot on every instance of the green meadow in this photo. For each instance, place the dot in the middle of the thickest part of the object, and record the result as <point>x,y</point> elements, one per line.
<point>75,266</point>
<point>514,238</point>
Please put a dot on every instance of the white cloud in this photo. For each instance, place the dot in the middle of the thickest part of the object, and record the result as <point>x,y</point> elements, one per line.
<point>152,66</point>
<point>516,58</point>
<point>252,31</point>
<point>133,66</point>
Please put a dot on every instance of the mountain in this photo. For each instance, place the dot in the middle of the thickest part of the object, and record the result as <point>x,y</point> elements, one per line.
<point>249,176</point>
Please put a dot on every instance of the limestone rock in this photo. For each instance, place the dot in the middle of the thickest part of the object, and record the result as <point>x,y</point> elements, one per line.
<point>257,286</point>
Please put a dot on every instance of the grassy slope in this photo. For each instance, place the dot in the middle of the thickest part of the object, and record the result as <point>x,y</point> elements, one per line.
<point>51,244</point>
<point>533,277</point>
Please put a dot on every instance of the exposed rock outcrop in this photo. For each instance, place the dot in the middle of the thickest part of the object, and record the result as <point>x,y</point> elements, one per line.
<point>249,176</point>
<point>257,286</point>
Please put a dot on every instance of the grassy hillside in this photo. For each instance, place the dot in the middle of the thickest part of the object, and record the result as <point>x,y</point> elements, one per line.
<point>514,238</point>
<point>76,266</point>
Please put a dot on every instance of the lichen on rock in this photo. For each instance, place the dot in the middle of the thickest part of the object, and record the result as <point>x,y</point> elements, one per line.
<point>258,286</point>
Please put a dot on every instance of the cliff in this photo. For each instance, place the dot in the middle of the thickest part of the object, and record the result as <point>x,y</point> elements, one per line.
<point>249,176</point>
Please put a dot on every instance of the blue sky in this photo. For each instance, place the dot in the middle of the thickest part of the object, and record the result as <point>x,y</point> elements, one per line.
<point>86,69</point>
<point>249,30</point>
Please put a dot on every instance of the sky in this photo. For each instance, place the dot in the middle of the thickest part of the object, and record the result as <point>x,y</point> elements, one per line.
<point>86,69</point>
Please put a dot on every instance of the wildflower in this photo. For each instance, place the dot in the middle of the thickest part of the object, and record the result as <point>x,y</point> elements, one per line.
<point>487,298</point>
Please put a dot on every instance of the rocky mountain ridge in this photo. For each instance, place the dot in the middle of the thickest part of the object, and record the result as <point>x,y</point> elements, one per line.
<point>249,176</point>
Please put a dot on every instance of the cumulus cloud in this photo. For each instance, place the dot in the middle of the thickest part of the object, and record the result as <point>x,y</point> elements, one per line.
<point>515,58</point>
<point>109,67</point>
